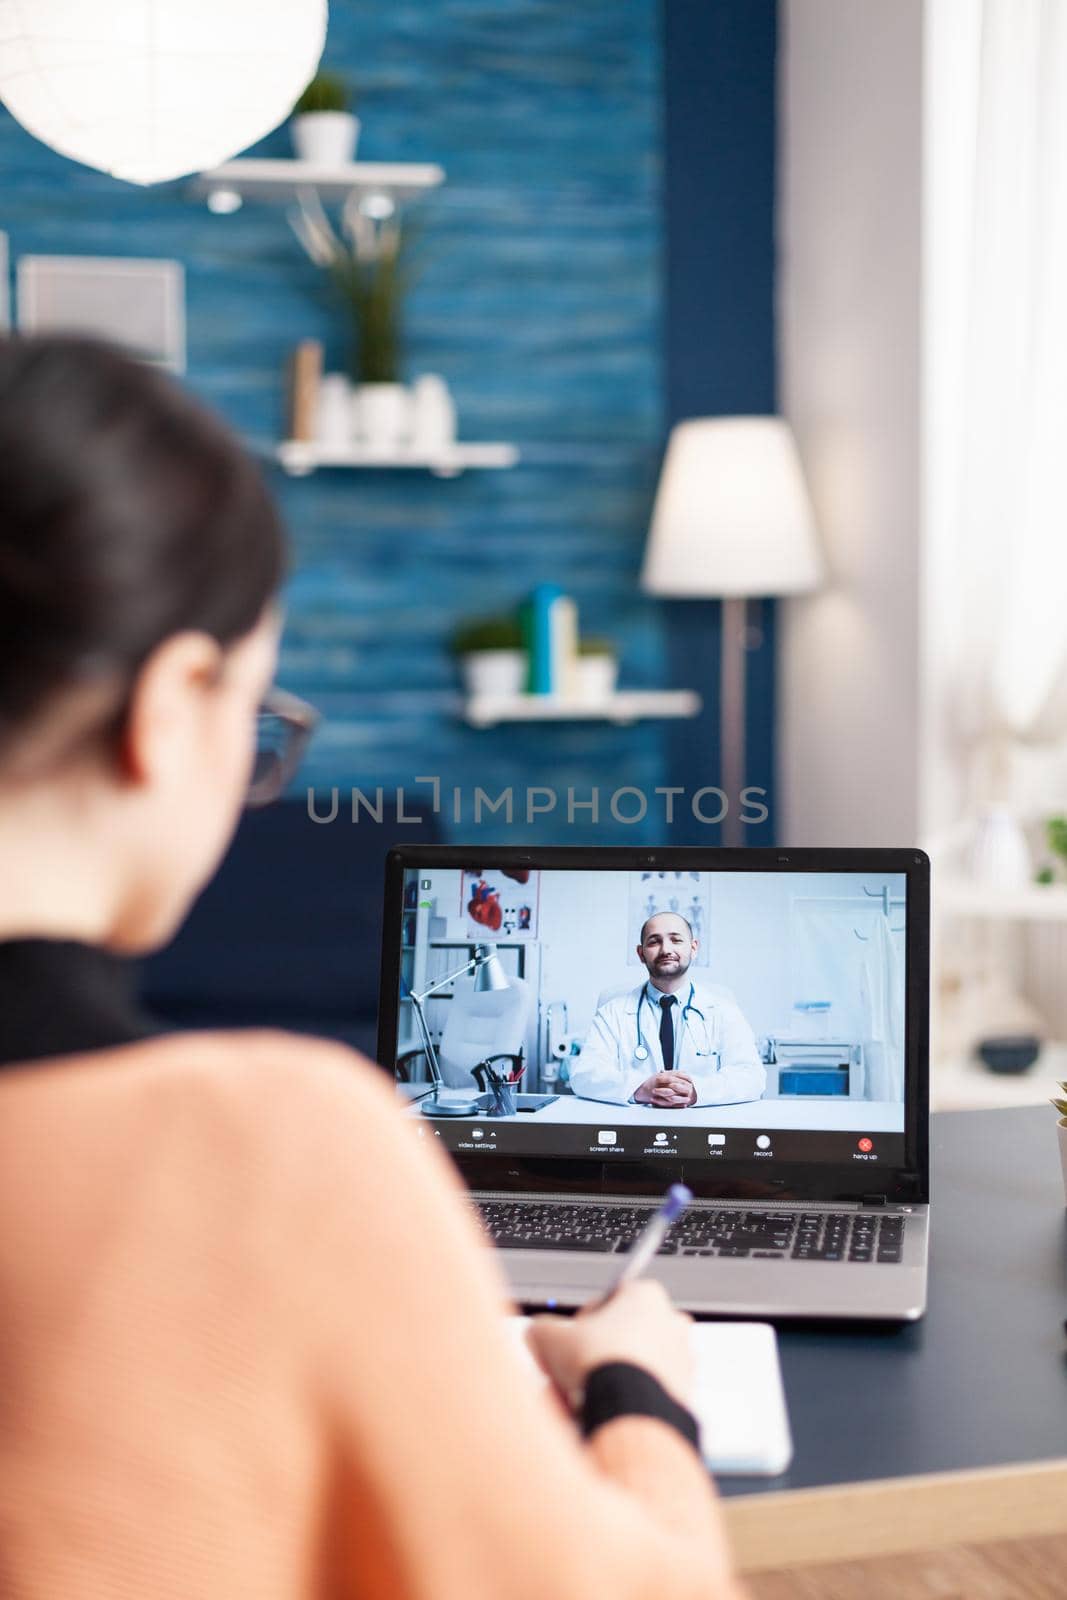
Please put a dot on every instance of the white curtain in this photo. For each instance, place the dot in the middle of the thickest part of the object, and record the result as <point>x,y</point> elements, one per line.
<point>995,336</point>
<point>850,955</point>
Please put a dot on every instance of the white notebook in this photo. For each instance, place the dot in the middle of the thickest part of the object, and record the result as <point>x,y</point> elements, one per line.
<point>739,1400</point>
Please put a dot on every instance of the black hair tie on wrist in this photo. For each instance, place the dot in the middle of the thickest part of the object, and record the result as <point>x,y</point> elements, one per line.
<point>621,1389</point>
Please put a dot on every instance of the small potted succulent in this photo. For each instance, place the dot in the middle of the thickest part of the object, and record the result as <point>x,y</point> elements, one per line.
<point>491,654</point>
<point>323,128</point>
<point>1061,1129</point>
<point>596,670</point>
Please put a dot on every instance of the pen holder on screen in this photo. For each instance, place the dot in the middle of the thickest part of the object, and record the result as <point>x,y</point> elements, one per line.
<point>501,1089</point>
<point>503,1101</point>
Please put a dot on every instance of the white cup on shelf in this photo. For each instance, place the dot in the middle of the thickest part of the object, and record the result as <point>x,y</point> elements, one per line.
<point>433,416</point>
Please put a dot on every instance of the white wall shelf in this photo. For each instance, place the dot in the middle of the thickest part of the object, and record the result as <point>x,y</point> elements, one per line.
<point>626,706</point>
<point>967,1085</point>
<point>281,180</point>
<point>1038,902</point>
<point>226,186</point>
<point>299,458</point>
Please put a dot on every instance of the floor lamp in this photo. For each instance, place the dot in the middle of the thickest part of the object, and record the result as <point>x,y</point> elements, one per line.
<point>732,520</point>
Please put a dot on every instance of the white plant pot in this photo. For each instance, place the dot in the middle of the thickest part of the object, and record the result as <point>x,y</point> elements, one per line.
<point>1061,1129</point>
<point>382,416</point>
<point>595,677</point>
<point>494,672</point>
<point>328,138</point>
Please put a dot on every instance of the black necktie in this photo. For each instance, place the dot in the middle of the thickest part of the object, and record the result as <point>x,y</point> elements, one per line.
<point>666,1031</point>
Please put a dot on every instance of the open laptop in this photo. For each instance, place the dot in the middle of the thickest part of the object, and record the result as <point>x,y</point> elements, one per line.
<point>580,1028</point>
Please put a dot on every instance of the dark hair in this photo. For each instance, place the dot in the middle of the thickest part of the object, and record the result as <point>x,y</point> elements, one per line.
<point>128,512</point>
<point>678,914</point>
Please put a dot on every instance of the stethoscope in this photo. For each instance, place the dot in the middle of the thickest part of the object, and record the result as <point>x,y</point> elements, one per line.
<point>641,1050</point>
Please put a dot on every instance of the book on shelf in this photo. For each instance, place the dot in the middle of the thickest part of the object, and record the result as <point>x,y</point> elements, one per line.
<point>305,373</point>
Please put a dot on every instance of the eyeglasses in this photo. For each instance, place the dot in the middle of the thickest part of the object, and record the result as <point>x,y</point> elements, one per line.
<point>284,725</point>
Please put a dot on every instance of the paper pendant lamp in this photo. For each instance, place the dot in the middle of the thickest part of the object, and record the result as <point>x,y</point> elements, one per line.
<point>152,89</point>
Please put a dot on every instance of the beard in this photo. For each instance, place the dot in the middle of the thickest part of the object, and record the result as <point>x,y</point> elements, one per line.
<point>671,965</point>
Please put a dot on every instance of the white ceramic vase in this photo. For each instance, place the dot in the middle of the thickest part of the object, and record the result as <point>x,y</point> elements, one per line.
<point>595,677</point>
<point>327,138</point>
<point>494,672</point>
<point>383,418</point>
<point>433,416</point>
<point>1062,1131</point>
<point>333,411</point>
<point>1000,855</point>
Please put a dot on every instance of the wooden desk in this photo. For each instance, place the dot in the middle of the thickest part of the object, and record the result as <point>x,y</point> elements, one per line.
<point>953,1430</point>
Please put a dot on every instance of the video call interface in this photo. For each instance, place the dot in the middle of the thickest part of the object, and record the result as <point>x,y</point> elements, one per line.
<point>642,1015</point>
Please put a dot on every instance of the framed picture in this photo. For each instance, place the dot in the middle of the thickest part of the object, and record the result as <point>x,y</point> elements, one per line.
<point>138,304</point>
<point>499,904</point>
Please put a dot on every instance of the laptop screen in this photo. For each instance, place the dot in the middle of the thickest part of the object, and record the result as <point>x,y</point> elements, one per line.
<point>654,1014</point>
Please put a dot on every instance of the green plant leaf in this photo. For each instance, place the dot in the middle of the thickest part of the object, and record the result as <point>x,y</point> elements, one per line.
<point>372,287</point>
<point>327,91</point>
<point>487,633</point>
<point>1056,833</point>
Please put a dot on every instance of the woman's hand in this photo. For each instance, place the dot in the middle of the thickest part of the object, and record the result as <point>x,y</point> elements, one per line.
<point>638,1324</point>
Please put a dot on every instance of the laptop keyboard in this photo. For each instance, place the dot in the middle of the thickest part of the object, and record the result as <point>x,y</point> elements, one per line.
<point>761,1235</point>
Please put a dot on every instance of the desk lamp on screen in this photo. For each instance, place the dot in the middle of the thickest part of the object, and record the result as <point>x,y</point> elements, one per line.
<point>488,975</point>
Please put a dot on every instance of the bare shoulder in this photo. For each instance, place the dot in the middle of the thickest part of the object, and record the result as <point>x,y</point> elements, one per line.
<point>257,1066</point>
<point>308,1132</point>
<point>235,1090</point>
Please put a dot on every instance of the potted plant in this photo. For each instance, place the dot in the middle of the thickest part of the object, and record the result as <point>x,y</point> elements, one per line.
<point>369,273</point>
<point>1061,1129</point>
<point>491,655</point>
<point>1056,839</point>
<point>323,128</point>
<point>596,670</point>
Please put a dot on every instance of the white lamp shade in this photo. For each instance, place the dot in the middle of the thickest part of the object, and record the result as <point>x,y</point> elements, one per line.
<point>732,514</point>
<point>148,90</point>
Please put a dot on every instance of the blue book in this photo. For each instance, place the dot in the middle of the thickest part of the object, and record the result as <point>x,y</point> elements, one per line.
<point>537,626</point>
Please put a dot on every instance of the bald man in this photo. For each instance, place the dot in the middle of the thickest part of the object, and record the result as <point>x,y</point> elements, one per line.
<point>670,1043</point>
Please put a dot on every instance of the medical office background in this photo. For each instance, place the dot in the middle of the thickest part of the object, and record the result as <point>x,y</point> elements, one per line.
<point>653,212</point>
<point>815,962</point>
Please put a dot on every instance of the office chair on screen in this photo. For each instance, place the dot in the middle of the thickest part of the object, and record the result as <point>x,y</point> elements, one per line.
<point>481,1027</point>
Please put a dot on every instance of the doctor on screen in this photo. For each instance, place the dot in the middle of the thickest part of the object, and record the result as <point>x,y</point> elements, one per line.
<point>669,1043</point>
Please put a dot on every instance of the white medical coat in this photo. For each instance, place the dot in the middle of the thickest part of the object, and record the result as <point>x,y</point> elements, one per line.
<point>723,1062</point>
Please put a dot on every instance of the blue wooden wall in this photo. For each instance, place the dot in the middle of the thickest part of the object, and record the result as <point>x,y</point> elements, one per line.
<point>719,346</point>
<point>541,299</point>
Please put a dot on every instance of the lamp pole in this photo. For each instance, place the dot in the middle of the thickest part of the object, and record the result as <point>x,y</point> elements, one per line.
<point>732,715</point>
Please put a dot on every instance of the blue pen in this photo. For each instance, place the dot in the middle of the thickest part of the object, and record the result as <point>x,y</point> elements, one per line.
<point>648,1241</point>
